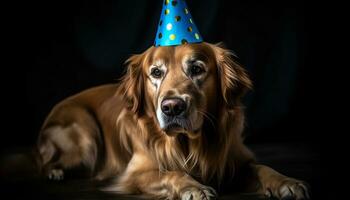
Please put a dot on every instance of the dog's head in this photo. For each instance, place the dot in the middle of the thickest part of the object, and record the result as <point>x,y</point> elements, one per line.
<point>181,86</point>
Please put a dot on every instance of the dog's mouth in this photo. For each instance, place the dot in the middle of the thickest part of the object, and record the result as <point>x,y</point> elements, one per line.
<point>180,128</point>
<point>174,128</point>
<point>188,124</point>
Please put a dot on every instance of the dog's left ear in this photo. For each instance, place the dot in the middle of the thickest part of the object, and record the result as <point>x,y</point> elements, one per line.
<point>233,77</point>
<point>132,83</point>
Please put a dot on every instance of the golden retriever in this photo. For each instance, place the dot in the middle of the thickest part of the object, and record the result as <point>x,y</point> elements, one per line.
<point>171,128</point>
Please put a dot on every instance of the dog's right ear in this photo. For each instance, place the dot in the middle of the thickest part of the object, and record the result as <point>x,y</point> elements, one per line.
<point>132,83</point>
<point>235,81</point>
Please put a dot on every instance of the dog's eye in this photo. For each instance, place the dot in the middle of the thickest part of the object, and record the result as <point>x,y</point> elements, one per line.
<point>196,70</point>
<point>156,73</point>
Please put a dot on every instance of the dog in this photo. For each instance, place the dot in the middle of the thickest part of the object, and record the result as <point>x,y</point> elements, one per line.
<point>170,128</point>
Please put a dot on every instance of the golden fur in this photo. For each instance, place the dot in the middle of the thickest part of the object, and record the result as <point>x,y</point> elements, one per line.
<point>120,130</point>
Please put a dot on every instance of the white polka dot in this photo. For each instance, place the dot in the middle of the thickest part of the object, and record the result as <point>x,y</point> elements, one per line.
<point>169,26</point>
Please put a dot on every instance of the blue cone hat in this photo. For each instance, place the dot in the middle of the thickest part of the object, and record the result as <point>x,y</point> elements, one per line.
<point>176,25</point>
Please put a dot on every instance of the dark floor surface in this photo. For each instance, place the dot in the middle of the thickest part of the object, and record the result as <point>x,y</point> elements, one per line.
<point>299,160</point>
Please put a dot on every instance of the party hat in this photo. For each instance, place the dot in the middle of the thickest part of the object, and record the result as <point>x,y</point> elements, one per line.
<point>176,25</point>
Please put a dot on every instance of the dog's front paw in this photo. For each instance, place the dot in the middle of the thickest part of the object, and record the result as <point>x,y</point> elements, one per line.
<point>198,193</point>
<point>288,189</point>
<point>55,174</point>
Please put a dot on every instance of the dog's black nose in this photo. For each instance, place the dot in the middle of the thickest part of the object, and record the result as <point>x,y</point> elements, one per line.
<point>173,106</point>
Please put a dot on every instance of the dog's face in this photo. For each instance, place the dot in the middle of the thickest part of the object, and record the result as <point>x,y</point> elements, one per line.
<point>183,85</point>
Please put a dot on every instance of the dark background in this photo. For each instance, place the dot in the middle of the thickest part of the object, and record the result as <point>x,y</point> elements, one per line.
<point>79,44</point>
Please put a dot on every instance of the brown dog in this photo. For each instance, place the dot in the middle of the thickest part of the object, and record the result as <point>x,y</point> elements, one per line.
<point>170,128</point>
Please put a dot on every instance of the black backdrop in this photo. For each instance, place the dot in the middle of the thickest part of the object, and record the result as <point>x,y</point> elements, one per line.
<point>78,44</point>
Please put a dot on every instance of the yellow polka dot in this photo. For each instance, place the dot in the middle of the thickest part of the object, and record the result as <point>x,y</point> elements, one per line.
<point>197,36</point>
<point>166,2</point>
<point>172,37</point>
<point>167,11</point>
<point>189,29</point>
<point>191,21</point>
<point>186,11</point>
<point>169,26</point>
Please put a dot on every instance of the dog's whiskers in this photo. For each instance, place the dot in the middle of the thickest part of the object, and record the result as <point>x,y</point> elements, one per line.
<point>207,117</point>
<point>209,114</point>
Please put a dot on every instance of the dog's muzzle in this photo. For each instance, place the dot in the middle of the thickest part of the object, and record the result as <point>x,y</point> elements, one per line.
<point>173,116</point>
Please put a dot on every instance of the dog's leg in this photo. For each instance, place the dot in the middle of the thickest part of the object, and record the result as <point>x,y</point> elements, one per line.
<point>143,178</point>
<point>167,185</point>
<point>272,183</point>
<point>66,147</point>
